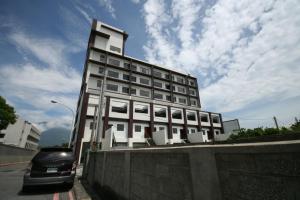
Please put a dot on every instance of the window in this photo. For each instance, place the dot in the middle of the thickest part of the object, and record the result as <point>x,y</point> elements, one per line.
<point>133,67</point>
<point>167,86</point>
<point>167,76</point>
<point>157,84</point>
<point>112,87</point>
<point>192,83</point>
<point>137,128</point>
<point>144,93</point>
<point>160,112</point>
<point>99,82</point>
<point>157,74</point>
<point>113,74</point>
<point>125,90</point>
<point>216,119</point>
<point>133,78</point>
<point>113,48</point>
<point>158,96</point>
<point>144,70</point>
<point>120,127</point>
<point>102,58</point>
<point>174,99</point>
<point>174,88</point>
<point>174,130</point>
<point>217,132</point>
<point>191,116</point>
<point>193,130</point>
<point>177,114</point>
<point>119,107</point>
<point>92,125</point>
<point>101,70</point>
<point>114,62</point>
<point>193,102</point>
<point>141,109</point>
<point>168,97</point>
<point>161,128</point>
<point>133,91</point>
<point>126,65</point>
<point>144,81</point>
<point>182,100</point>
<point>192,92</point>
<point>181,89</point>
<point>126,77</point>
<point>204,118</point>
<point>180,80</point>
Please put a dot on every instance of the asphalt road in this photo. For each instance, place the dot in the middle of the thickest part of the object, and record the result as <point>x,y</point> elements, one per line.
<point>11,180</point>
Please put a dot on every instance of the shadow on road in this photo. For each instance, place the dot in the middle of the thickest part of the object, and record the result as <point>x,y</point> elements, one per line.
<point>48,189</point>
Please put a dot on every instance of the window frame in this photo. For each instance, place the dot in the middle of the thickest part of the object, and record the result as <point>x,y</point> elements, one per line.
<point>110,84</point>
<point>187,116</point>
<point>135,109</point>
<point>158,109</point>
<point>115,107</point>
<point>135,128</point>
<point>122,126</point>
<point>176,111</point>
<point>144,91</point>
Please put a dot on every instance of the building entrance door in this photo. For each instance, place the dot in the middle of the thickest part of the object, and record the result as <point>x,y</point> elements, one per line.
<point>209,135</point>
<point>183,134</point>
<point>147,132</point>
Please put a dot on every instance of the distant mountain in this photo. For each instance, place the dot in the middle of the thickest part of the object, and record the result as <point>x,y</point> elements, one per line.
<point>54,136</point>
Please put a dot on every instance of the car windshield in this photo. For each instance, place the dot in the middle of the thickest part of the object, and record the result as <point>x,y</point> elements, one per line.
<point>54,154</point>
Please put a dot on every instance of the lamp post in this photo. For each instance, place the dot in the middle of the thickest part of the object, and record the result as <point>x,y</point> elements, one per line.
<point>71,132</point>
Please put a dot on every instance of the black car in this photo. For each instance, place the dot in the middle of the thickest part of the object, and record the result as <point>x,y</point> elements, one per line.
<point>51,166</point>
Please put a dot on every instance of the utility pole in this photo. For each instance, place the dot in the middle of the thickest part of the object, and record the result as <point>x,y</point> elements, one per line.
<point>100,106</point>
<point>276,124</point>
<point>92,140</point>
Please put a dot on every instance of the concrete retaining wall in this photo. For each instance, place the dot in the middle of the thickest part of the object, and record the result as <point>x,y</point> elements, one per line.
<point>11,154</point>
<point>244,171</point>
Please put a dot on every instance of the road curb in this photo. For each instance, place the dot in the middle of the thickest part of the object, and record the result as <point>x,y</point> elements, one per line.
<point>15,163</point>
<point>79,191</point>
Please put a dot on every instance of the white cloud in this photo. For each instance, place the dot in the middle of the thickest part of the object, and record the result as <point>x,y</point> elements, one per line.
<point>30,86</point>
<point>108,5</point>
<point>36,78</point>
<point>76,26</point>
<point>245,52</point>
<point>135,1</point>
<point>87,17</point>
<point>43,121</point>
<point>48,51</point>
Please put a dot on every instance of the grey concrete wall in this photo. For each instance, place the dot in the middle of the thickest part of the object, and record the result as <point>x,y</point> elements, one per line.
<point>11,154</point>
<point>233,172</point>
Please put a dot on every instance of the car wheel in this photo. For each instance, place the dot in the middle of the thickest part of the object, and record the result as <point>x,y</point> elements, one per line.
<point>25,189</point>
<point>69,185</point>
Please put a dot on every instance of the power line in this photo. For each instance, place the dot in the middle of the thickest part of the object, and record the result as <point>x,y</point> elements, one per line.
<point>241,118</point>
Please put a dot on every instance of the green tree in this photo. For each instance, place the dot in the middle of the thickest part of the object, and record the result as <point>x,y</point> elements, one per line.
<point>7,114</point>
<point>296,126</point>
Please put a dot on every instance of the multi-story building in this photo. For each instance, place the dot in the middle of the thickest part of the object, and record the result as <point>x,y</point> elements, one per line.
<point>21,134</point>
<point>139,99</point>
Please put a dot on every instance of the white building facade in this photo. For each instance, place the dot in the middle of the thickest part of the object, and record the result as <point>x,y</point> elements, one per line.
<point>21,134</point>
<point>141,101</point>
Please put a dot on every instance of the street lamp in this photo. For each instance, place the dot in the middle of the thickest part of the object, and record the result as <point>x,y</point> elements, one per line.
<point>71,132</point>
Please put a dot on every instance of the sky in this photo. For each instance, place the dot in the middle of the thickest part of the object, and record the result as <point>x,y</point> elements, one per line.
<point>245,54</point>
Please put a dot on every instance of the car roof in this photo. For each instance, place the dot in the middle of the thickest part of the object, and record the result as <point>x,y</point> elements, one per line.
<point>56,149</point>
